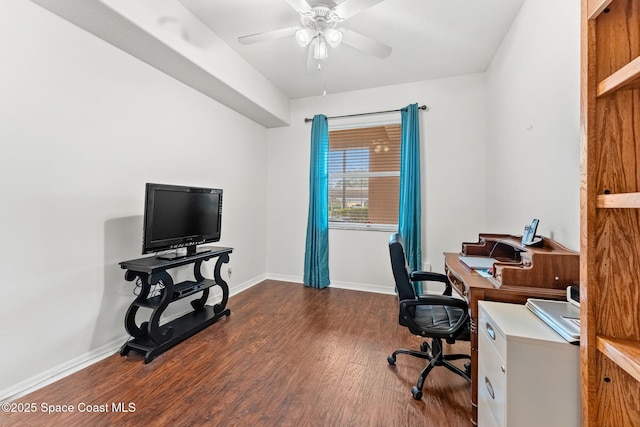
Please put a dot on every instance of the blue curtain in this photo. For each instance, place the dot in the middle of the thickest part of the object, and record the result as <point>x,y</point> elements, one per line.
<point>316,257</point>
<point>409,214</point>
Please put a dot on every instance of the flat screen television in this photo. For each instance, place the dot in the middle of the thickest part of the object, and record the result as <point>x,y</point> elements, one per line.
<point>180,217</point>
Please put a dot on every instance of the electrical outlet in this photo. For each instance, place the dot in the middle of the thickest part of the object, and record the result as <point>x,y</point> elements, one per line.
<point>426,266</point>
<point>229,271</point>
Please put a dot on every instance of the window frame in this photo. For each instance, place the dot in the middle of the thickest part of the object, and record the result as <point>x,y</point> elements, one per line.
<point>355,123</point>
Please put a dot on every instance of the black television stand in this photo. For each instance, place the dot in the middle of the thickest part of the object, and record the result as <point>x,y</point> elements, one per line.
<point>175,254</point>
<point>157,291</point>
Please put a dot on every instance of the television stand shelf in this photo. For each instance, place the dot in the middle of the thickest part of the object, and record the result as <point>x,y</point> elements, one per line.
<point>152,338</point>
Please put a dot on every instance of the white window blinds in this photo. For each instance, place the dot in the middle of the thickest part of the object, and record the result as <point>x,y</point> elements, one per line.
<point>364,175</point>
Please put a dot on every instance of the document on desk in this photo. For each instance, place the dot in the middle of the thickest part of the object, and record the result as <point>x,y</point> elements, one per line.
<point>484,272</point>
<point>478,262</point>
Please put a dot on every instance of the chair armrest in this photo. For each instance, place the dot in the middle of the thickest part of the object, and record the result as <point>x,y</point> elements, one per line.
<point>428,276</point>
<point>437,300</point>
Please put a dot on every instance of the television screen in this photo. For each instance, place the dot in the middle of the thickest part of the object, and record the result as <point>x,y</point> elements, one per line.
<point>178,216</point>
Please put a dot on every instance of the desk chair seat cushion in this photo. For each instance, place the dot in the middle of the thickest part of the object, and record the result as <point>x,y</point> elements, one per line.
<point>440,318</point>
<point>436,316</point>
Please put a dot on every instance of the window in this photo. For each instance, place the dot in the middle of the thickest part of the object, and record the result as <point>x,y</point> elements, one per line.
<point>364,177</point>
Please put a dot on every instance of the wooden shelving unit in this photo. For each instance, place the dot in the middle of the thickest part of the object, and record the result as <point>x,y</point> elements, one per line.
<point>624,353</point>
<point>628,77</point>
<point>623,200</point>
<point>610,213</point>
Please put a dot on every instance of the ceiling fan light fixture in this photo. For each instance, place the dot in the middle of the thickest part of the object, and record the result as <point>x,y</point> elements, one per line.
<point>318,29</point>
<point>333,37</point>
<point>320,48</point>
<point>304,36</point>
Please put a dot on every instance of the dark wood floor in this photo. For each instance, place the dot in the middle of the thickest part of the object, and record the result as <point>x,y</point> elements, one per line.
<point>287,356</point>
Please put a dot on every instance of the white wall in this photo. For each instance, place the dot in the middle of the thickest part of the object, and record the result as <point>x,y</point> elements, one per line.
<point>84,126</point>
<point>453,149</point>
<point>486,138</point>
<point>533,159</point>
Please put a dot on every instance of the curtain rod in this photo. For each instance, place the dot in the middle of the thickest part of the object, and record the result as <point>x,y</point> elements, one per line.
<point>422,107</point>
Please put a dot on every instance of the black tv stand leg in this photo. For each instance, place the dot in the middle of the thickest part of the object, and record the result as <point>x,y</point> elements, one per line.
<point>220,307</point>
<point>151,338</point>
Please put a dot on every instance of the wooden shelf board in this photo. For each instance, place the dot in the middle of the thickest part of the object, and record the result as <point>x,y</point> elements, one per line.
<point>623,352</point>
<point>627,77</point>
<point>620,200</point>
<point>595,7</point>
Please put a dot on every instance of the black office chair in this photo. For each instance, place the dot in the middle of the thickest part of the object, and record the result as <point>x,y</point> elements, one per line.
<point>431,316</point>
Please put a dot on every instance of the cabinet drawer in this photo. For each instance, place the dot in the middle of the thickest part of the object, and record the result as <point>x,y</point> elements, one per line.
<point>486,418</point>
<point>492,383</point>
<point>494,335</point>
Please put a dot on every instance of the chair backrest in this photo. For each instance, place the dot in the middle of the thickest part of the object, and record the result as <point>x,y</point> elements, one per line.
<point>400,268</point>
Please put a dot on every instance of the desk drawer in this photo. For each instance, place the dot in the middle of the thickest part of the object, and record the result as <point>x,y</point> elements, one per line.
<point>457,284</point>
<point>492,332</point>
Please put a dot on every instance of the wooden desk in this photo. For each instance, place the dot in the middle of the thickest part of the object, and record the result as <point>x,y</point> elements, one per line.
<point>543,272</point>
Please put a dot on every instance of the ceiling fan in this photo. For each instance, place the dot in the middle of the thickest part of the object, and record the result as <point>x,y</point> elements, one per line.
<point>320,28</point>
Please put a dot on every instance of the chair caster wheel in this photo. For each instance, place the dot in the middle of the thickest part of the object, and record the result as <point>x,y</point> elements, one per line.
<point>417,394</point>
<point>425,347</point>
<point>391,360</point>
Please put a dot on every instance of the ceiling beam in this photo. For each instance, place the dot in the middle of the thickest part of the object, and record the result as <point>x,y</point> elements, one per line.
<point>165,35</point>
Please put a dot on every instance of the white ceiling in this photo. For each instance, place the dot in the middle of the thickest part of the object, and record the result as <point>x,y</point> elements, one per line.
<point>430,39</point>
<point>196,42</point>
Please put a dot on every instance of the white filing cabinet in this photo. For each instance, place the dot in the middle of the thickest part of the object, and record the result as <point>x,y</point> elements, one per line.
<point>528,375</point>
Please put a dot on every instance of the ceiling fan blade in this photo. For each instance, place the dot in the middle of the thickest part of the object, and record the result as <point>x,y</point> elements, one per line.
<point>300,6</point>
<point>365,43</point>
<point>268,35</point>
<point>349,8</point>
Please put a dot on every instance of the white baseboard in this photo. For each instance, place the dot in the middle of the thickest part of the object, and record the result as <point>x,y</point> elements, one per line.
<point>65,369</point>
<point>58,372</point>
<point>236,289</point>
<point>364,287</point>
<point>284,278</point>
<point>378,289</point>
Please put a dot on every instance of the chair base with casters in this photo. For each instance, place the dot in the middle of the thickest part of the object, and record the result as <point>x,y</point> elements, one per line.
<point>436,357</point>
<point>439,317</point>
